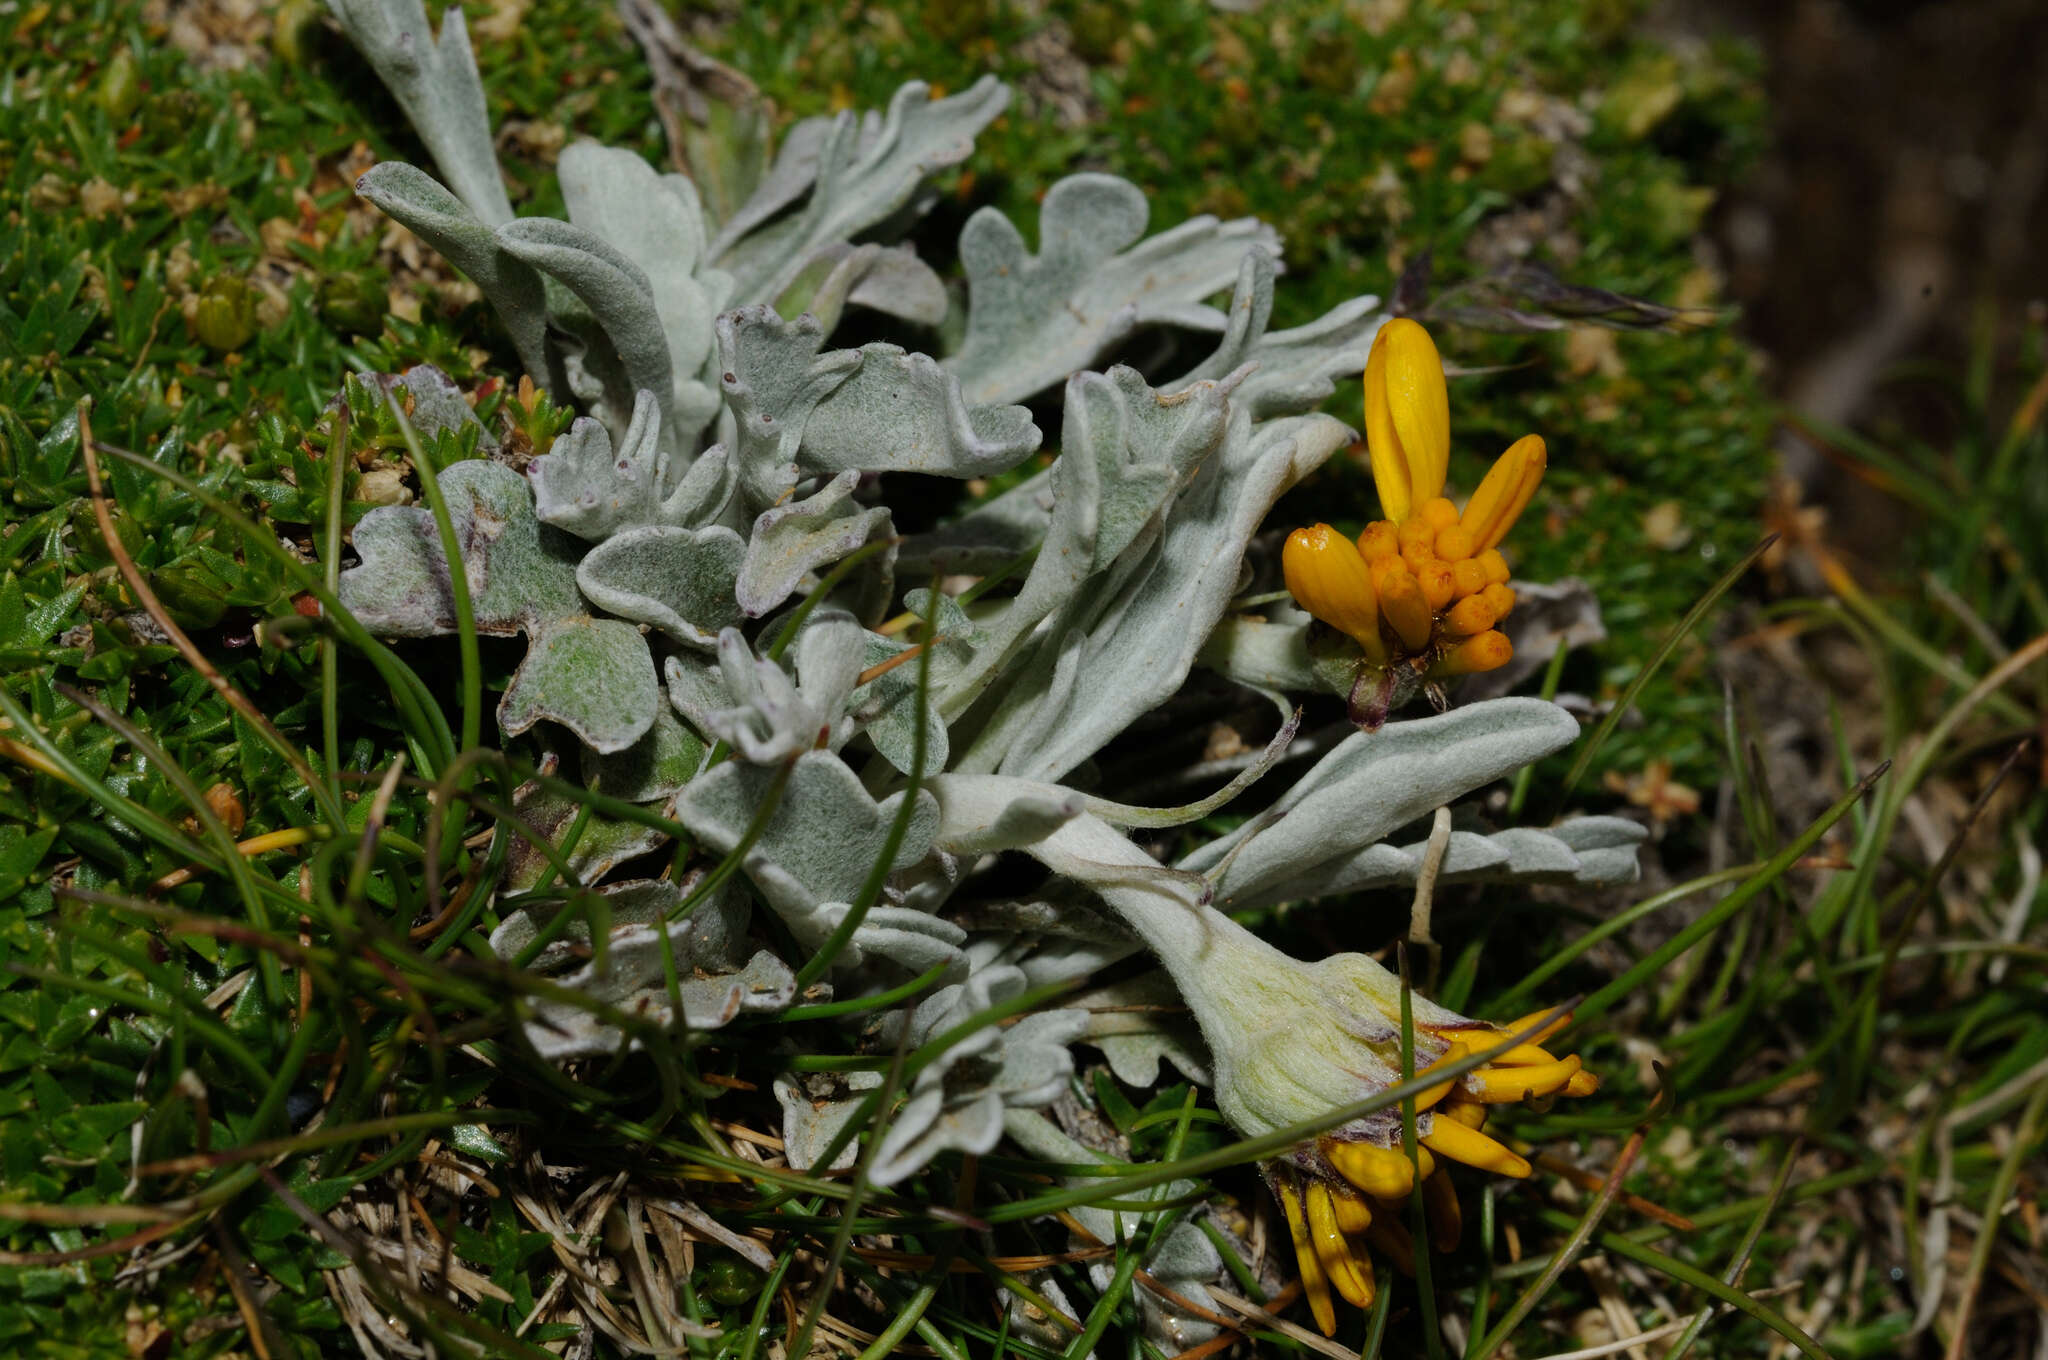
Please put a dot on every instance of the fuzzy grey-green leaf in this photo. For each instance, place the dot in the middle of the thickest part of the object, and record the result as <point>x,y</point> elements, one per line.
<point>1034,319</point>
<point>1373,783</point>
<point>677,580</point>
<point>593,676</point>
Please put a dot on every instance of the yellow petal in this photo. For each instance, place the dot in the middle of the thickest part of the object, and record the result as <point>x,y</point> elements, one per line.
<point>1329,579</point>
<point>1433,1094</point>
<point>1449,1138</point>
<point>1313,1282</point>
<point>1381,539</point>
<point>1506,1085</point>
<point>1354,1216</point>
<point>1504,493</point>
<point>1332,1248</point>
<point>1523,1055</point>
<point>1538,1036</point>
<point>1469,617</point>
<point>1419,405</point>
<point>1389,463</point>
<point>1583,1083</point>
<point>1439,583</point>
<point>1467,1112</point>
<point>1383,1173</point>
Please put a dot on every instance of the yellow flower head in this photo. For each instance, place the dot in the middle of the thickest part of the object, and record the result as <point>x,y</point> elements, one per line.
<point>1426,585</point>
<point>1295,1039</point>
<point>1292,1039</point>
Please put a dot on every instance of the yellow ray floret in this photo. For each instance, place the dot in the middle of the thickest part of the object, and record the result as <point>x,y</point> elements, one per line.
<point>1505,1086</point>
<point>1329,579</point>
<point>1504,493</point>
<point>1314,1283</point>
<point>1338,1260</point>
<point>1407,418</point>
<point>1383,1173</point>
<point>1449,1138</point>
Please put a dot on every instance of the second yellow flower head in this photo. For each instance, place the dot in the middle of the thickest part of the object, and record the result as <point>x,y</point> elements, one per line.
<point>1427,584</point>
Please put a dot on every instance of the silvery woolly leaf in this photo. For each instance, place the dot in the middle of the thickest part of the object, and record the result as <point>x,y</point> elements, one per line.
<point>432,403</point>
<point>1265,654</point>
<point>774,376</point>
<point>696,691</point>
<point>677,580</point>
<point>585,486</point>
<point>411,198</point>
<point>1025,814</point>
<point>791,175</point>
<point>1128,451</point>
<point>1139,1021</point>
<point>1593,850</point>
<point>815,1107</point>
<point>1371,783</point>
<point>901,412</point>
<point>868,171</point>
<point>436,83</point>
<point>791,541</point>
<point>656,222</point>
<point>886,279</point>
<point>885,708</point>
<point>594,676</point>
<point>959,1099</point>
<point>1032,320</point>
<point>764,718</point>
<point>1297,369</point>
<point>631,976</point>
<point>822,839</point>
<point>621,302</point>
<point>707,493</point>
<point>763,714</point>
<point>830,653</point>
<point>711,935</point>
<point>913,940</point>
<point>1133,655</point>
<point>603,844</point>
<point>1606,847</point>
<point>653,768</point>
<point>518,572</point>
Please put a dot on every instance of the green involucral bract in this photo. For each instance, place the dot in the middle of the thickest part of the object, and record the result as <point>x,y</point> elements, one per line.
<point>732,458</point>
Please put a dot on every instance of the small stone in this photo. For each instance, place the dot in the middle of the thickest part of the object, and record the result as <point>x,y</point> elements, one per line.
<point>383,485</point>
<point>226,805</point>
<point>1475,143</point>
<point>1591,349</point>
<point>1664,527</point>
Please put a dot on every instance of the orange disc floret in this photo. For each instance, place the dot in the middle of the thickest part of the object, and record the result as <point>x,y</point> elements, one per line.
<point>1489,651</point>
